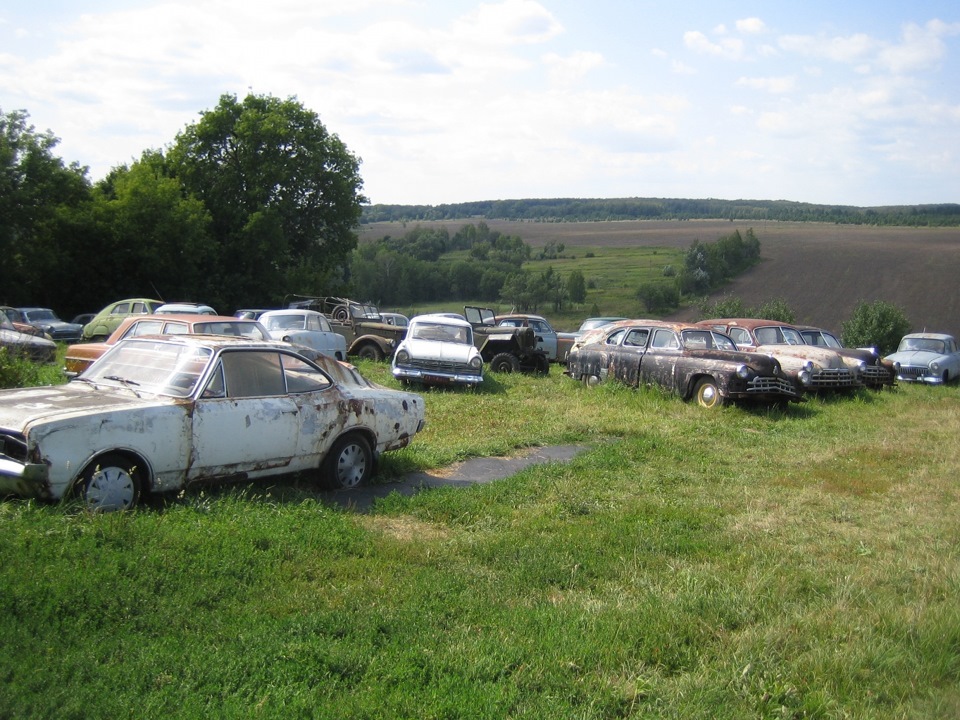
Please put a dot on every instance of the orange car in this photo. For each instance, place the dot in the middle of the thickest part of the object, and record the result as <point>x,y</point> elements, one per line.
<point>81,356</point>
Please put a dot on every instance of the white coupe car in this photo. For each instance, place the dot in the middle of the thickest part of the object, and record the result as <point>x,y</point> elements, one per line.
<point>305,327</point>
<point>438,350</point>
<point>155,414</point>
<point>927,357</point>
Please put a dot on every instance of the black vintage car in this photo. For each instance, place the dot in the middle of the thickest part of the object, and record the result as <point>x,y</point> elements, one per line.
<point>692,361</point>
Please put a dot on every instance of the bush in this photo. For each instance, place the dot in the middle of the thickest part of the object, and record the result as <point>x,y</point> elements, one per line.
<point>879,324</point>
<point>17,372</point>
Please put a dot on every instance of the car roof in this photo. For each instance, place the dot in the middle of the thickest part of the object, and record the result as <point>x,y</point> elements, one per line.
<point>929,336</point>
<point>291,311</point>
<point>444,318</point>
<point>748,323</point>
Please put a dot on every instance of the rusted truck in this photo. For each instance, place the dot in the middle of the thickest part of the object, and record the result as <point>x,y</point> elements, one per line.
<point>368,336</point>
<point>504,348</point>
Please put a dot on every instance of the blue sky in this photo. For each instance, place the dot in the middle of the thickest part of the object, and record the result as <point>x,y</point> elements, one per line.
<point>852,103</point>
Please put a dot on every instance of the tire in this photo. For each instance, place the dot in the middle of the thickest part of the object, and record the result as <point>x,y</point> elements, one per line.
<point>349,463</point>
<point>543,365</point>
<point>340,313</point>
<point>504,363</point>
<point>590,380</point>
<point>370,351</point>
<point>707,394</point>
<point>111,482</point>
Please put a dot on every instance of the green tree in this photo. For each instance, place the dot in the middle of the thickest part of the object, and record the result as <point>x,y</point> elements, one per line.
<point>39,199</point>
<point>879,324</point>
<point>577,287</point>
<point>282,192</point>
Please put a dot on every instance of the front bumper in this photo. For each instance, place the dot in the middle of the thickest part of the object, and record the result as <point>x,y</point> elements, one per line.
<point>436,376</point>
<point>25,480</point>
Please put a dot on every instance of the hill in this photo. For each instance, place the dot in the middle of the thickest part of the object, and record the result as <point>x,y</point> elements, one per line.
<point>821,269</point>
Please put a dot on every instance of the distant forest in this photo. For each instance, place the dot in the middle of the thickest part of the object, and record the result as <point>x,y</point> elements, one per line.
<point>593,210</point>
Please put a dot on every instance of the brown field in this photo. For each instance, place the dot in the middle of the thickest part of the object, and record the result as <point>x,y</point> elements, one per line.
<point>821,270</point>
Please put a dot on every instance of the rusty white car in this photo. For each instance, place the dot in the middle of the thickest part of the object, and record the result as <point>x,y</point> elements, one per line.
<point>693,362</point>
<point>818,368</point>
<point>932,358</point>
<point>159,413</point>
<point>20,344</point>
<point>305,327</point>
<point>438,350</point>
<point>876,372</point>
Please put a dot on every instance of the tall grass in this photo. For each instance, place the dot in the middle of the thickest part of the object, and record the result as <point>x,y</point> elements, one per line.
<point>742,563</point>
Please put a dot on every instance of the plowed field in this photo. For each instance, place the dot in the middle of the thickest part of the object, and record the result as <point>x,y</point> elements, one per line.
<point>821,270</point>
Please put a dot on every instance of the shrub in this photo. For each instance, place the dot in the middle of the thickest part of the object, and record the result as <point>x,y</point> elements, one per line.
<point>879,324</point>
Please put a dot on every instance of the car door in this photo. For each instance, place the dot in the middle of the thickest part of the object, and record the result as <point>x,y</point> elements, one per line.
<point>626,358</point>
<point>245,421</point>
<point>546,338</point>
<point>660,361</point>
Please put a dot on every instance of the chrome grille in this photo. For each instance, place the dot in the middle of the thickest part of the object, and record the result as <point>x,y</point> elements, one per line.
<point>439,365</point>
<point>766,384</point>
<point>833,377</point>
<point>914,373</point>
<point>877,373</point>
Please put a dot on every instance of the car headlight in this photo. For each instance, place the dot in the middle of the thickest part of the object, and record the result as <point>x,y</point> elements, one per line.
<point>743,371</point>
<point>807,366</point>
<point>935,366</point>
<point>403,356</point>
<point>804,377</point>
<point>860,368</point>
<point>476,362</point>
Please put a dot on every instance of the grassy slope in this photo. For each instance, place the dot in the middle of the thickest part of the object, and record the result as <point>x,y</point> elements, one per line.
<point>735,564</point>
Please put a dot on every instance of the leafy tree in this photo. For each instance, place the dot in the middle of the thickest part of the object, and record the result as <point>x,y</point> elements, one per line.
<point>733,307</point>
<point>38,196</point>
<point>282,192</point>
<point>658,297</point>
<point>776,309</point>
<point>879,324</point>
<point>576,287</point>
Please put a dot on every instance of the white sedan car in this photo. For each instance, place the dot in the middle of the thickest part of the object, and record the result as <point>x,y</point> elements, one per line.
<point>157,413</point>
<point>438,350</point>
<point>305,327</point>
<point>927,357</point>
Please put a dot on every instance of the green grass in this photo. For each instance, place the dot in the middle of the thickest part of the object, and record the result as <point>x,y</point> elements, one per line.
<point>743,563</point>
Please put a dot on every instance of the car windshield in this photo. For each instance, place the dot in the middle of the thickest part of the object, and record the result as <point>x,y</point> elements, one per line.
<point>151,366</point>
<point>441,332</point>
<point>927,344</point>
<point>706,340</point>
<point>36,315</point>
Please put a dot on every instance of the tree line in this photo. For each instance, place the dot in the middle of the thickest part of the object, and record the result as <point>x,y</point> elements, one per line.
<point>255,200</point>
<point>593,210</point>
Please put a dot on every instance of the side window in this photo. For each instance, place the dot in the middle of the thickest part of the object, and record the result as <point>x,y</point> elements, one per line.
<point>121,309</point>
<point>665,339</point>
<point>312,323</point>
<point>637,337</point>
<point>301,376</point>
<point>215,386</point>
<point>740,336</point>
<point>148,327</point>
<point>139,309</point>
<point>175,329</point>
<point>615,338</point>
<point>252,374</point>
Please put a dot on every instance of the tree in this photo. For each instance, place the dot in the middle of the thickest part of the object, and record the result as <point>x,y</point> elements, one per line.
<point>38,195</point>
<point>282,192</point>
<point>879,324</point>
<point>577,287</point>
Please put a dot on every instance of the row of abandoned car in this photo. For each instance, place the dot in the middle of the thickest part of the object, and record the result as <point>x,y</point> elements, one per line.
<point>166,400</point>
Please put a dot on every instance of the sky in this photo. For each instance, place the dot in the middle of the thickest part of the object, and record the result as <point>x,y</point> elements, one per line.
<point>445,101</point>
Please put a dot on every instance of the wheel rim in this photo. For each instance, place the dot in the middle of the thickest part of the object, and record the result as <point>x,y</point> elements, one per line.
<point>708,396</point>
<point>351,466</point>
<point>110,488</point>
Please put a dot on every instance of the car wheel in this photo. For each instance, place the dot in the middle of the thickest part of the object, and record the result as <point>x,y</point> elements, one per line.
<point>505,363</point>
<point>590,380</point>
<point>543,365</point>
<point>349,462</point>
<point>111,482</point>
<point>340,313</point>
<point>708,393</point>
<point>370,352</point>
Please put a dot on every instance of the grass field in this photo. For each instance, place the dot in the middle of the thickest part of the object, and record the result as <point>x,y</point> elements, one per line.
<point>823,271</point>
<point>742,563</point>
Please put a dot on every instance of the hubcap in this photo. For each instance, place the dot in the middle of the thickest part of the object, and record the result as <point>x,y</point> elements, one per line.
<point>110,488</point>
<point>351,466</point>
<point>708,395</point>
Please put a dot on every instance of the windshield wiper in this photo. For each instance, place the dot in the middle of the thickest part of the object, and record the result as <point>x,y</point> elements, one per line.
<point>117,378</point>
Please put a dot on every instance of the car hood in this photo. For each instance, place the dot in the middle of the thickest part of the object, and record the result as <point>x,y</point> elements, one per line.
<point>759,361</point>
<point>436,350</point>
<point>14,337</point>
<point>914,357</point>
<point>799,354</point>
<point>22,407</point>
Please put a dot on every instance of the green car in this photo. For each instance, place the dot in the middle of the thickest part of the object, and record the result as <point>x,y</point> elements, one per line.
<point>108,319</point>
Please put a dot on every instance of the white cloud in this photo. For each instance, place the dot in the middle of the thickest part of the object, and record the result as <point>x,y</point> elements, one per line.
<point>769,84</point>
<point>568,69</point>
<point>751,25</point>
<point>700,43</point>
